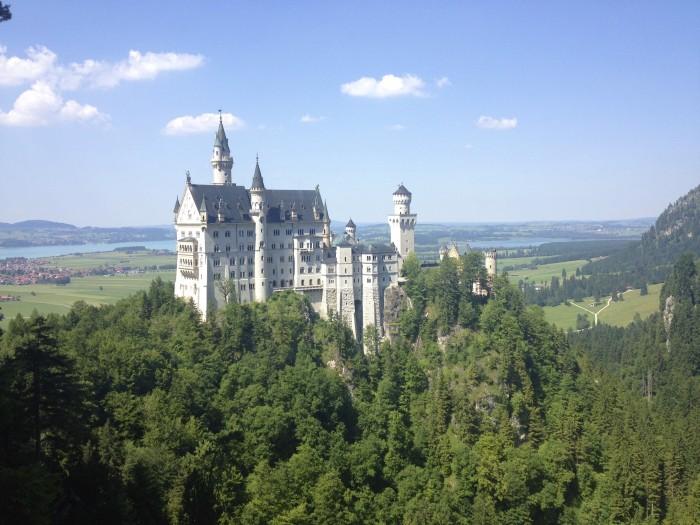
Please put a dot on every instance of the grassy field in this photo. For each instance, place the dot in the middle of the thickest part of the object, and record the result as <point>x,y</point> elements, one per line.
<point>102,259</point>
<point>620,313</point>
<point>48,298</point>
<point>544,272</point>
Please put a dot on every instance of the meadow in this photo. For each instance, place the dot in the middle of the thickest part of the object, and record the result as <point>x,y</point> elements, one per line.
<point>619,313</point>
<point>93,289</point>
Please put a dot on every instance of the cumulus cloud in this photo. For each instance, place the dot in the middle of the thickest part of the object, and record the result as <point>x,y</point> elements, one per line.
<point>496,123</point>
<point>203,123</point>
<point>307,119</point>
<point>43,104</point>
<point>388,86</point>
<point>443,82</point>
<point>138,67</point>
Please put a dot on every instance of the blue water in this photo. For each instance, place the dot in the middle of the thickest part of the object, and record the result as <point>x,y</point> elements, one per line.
<point>35,252</point>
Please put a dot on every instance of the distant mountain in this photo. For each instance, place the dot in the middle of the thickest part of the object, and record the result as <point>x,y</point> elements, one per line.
<point>676,231</point>
<point>36,225</point>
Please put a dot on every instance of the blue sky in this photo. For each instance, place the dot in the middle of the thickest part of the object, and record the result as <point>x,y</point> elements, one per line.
<point>486,111</point>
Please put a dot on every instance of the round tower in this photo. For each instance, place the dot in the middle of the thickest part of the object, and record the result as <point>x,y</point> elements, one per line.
<point>221,160</point>
<point>257,213</point>
<point>402,223</point>
<point>402,201</point>
<point>490,261</point>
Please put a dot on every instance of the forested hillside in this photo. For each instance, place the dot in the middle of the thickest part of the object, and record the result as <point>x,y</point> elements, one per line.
<point>677,230</point>
<point>614,268</point>
<point>478,411</point>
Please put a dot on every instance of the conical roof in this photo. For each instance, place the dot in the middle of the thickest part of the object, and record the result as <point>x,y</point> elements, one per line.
<point>402,191</point>
<point>350,224</point>
<point>220,140</point>
<point>258,183</point>
<point>177,205</point>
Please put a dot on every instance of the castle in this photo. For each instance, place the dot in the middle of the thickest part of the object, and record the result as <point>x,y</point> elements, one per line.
<point>244,244</point>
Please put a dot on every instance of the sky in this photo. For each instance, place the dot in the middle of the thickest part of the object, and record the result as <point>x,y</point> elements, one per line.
<point>495,111</point>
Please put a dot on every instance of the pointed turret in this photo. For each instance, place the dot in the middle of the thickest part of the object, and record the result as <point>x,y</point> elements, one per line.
<point>203,210</point>
<point>221,160</point>
<point>177,205</point>
<point>257,189</point>
<point>258,183</point>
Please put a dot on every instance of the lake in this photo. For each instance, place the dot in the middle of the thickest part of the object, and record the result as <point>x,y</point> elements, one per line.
<point>36,252</point>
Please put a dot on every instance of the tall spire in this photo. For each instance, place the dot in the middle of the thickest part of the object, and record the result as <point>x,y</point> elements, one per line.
<point>258,183</point>
<point>221,160</point>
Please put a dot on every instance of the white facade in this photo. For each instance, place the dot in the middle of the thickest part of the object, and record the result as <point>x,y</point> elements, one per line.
<point>245,245</point>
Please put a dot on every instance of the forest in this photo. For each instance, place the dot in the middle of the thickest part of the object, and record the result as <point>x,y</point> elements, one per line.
<point>475,411</point>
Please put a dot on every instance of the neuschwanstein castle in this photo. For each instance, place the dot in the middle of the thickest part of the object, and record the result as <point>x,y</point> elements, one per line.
<point>254,242</point>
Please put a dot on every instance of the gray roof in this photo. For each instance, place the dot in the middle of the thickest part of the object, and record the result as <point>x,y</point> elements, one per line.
<point>350,224</point>
<point>402,191</point>
<point>177,205</point>
<point>220,139</point>
<point>236,202</point>
<point>258,183</point>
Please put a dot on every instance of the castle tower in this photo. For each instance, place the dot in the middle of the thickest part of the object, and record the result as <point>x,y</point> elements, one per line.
<point>350,230</point>
<point>402,223</point>
<point>490,261</point>
<point>221,160</point>
<point>257,213</point>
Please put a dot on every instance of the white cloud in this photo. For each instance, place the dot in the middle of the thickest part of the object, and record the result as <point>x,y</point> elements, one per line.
<point>443,82</point>
<point>395,127</point>
<point>468,145</point>
<point>138,67</point>
<point>388,86</point>
<point>205,123</point>
<point>15,71</point>
<point>306,119</point>
<point>42,105</point>
<point>496,123</point>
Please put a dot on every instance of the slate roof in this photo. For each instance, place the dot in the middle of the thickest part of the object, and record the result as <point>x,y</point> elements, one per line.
<point>220,139</point>
<point>258,183</point>
<point>236,201</point>
<point>350,224</point>
<point>402,191</point>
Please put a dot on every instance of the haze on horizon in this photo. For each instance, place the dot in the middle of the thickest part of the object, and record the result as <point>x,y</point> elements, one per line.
<point>491,113</point>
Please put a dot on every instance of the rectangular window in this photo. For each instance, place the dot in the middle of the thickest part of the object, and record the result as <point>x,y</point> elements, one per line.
<point>216,248</point>
<point>251,260</point>
<point>228,247</point>
<point>232,275</point>
<point>274,246</point>
<point>289,232</point>
<point>300,231</point>
<point>269,259</point>
<point>216,233</point>
<point>281,258</point>
<point>241,260</point>
<point>312,231</point>
<point>228,233</point>
<point>232,261</point>
<point>290,258</point>
<point>217,262</point>
<point>250,233</point>
<point>275,233</point>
